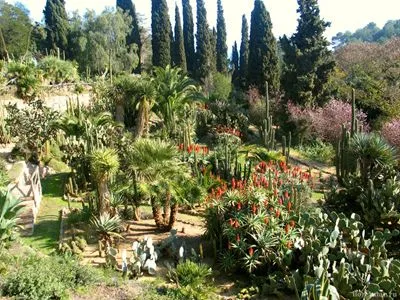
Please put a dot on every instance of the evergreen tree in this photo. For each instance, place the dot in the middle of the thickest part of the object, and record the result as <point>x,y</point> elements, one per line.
<point>213,50</point>
<point>56,20</point>
<point>203,39</point>
<point>188,36</point>
<point>179,48</point>
<point>222,49</point>
<point>263,58</point>
<point>161,33</point>
<point>244,54</point>
<point>235,65</point>
<point>134,36</point>
<point>308,61</point>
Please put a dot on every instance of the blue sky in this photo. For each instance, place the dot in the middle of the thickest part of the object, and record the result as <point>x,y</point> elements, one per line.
<point>343,14</point>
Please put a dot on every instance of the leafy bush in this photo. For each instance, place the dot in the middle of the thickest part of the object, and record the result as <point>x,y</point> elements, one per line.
<point>26,77</point>
<point>318,151</point>
<point>47,278</point>
<point>220,87</point>
<point>325,122</point>
<point>192,280</point>
<point>391,132</point>
<point>58,71</point>
<point>254,220</point>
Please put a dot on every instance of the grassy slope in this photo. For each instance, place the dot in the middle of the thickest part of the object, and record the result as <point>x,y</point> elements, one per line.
<point>47,227</point>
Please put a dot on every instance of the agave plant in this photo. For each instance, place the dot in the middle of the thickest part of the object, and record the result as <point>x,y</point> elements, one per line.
<point>10,209</point>
<point>106,227</point>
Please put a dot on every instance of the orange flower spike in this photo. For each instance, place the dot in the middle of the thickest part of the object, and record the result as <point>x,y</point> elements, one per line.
<point>286,195</point>
<point>287,228</point>
<point>239,206</point>
<point>231,222</point>
<point>292,223</point>
<point>251,251</point>
<point>289,244</point>
<point>254,209</point>
<point>238,237</point>
<point>289,206</point>
<point>280,201</point>
<point>277,213</point>
<point>266,220</point>
<point>275,192</point>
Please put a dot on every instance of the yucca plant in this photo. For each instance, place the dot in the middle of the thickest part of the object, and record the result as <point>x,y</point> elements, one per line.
<point>104,164</point>
<point>10,209</point>
<point>106,228</point>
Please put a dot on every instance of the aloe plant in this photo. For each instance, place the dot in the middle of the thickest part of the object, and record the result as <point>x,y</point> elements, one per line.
<point>10,209</point>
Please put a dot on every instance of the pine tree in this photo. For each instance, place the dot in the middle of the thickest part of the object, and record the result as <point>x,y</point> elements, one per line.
<point>244,54</point>
<point>263,58</point>
<point>179,48</point>
<point>188,36</point>
<point>56,19</point>
<point>203,42</point>
<point>308,61</point>
<point>235,65</point>
<point>222,49</point>
<point>161,33</point>
<point>133,37</point>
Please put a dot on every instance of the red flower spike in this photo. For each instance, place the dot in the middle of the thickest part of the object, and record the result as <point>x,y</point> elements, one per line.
<point>275,192</point>
<point>280,201</point>
<point>292,223</point>
<point>277,213</point>
<point>251,251</point>
<point>238,237</point>
<point>254,209</point>
<point>239,206</point>
<point>286,195</point>
<point>266,220</point>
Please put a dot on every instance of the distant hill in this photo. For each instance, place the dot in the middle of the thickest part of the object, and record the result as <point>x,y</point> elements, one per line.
<point>370,33</point>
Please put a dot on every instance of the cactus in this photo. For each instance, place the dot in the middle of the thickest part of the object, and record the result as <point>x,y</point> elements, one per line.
<point>345,165</point>
<point>267,131</point>
<point>144,257</point>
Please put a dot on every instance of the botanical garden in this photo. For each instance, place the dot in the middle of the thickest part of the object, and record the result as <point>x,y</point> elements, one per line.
<point>147,164</point>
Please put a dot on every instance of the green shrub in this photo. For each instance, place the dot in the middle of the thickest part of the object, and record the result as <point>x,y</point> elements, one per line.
<point>318,151</point>
<point>47,278</point>
<point>58,71</point>
<point>221,87</point>
<point>26,77</point>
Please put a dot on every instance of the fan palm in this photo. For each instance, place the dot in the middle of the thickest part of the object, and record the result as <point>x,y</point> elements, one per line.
<point>158,172</point>
<point>104,164</point>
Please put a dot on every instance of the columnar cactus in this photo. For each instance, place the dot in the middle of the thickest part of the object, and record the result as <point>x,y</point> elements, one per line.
<point>268,131</point>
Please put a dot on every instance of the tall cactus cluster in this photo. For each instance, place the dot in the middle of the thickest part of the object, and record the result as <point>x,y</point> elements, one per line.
<point>268,131</point>
<point>345,165</point>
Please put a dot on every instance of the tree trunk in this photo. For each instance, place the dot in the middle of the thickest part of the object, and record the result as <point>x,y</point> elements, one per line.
<point>104,197</point>
<point>140,121</point>
<point>120,112</point>
<point>167,208</point>
<point>157,214</point>
<point>173,216</point>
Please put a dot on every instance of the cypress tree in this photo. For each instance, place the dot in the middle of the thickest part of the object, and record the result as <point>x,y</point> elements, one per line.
<point>244,54</point>
<point>213,49</point>
<point>222,49</point>
<point>203,45</point>
<point>56,19</point>
<point>161,33</point>
<point>179,48</point>
<point>263,58</point>
<point>188,36</point>
<point>235,65</point>
<point>133,37</point>
<point>308,61</point>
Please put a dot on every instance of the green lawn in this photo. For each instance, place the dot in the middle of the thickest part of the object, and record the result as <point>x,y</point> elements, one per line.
<point>47,227</point>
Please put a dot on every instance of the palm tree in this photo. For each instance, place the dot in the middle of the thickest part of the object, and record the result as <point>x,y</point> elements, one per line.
<point>104,164</point>
<point>175,92</point>
<point>159,173</point>
<point>145,93</point>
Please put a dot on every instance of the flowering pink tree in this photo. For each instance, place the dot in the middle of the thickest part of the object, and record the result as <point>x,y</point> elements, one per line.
<point>391,132</point>
<point>324,122</point>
